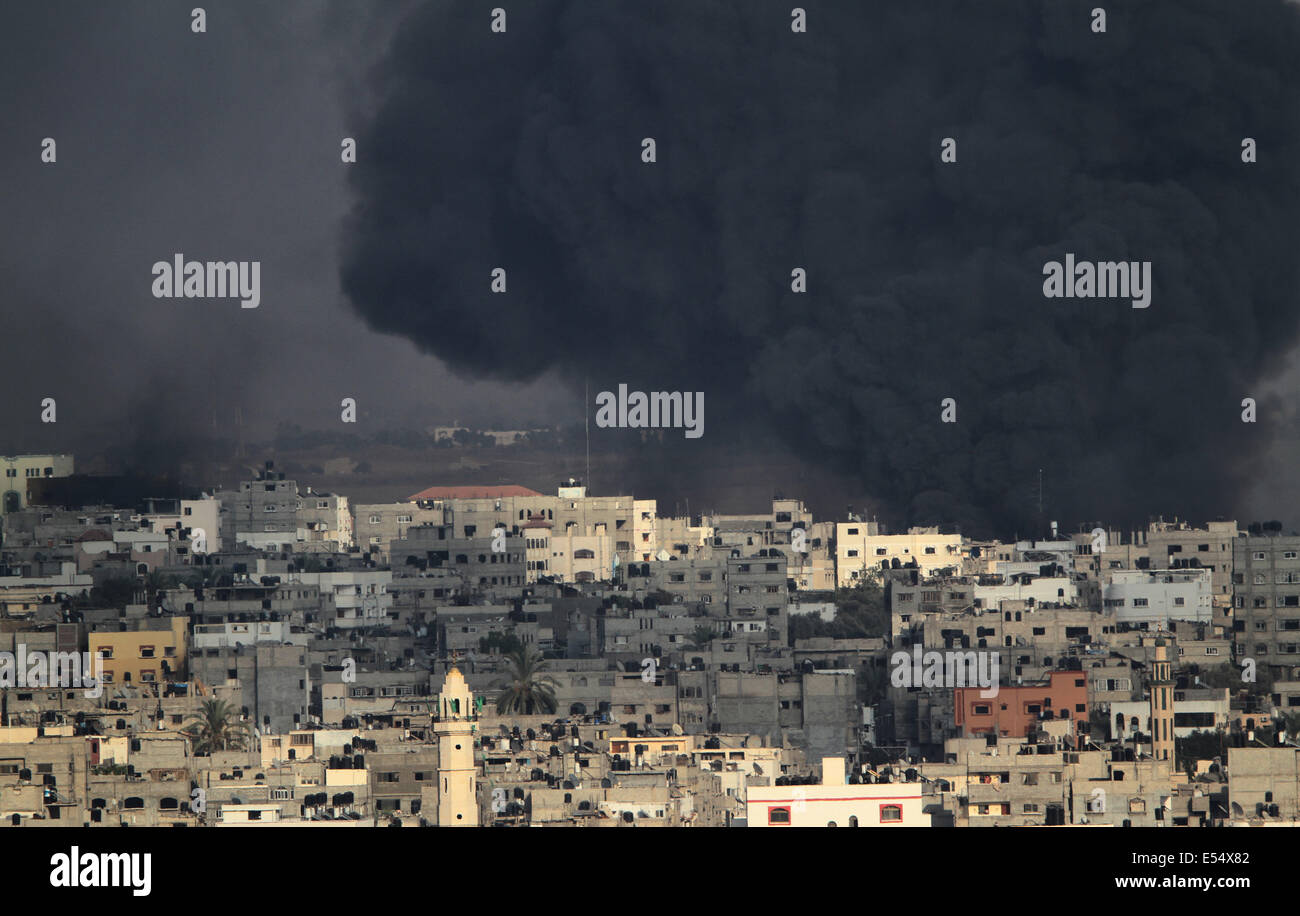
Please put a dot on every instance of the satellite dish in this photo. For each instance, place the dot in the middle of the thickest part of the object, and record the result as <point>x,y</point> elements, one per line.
<point>662,556</point>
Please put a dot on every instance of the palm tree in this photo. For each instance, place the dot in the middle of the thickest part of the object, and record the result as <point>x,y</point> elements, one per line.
<point>216,728</point>
<point>523,690</point>
<point>155,582</point>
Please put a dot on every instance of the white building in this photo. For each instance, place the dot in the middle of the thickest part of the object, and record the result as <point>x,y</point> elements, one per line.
<point>1039,591</point>
<point>1155,597</point>
<point>361,596</point>
<point>1197,709</point>
<point>228,635</point>
<point>834,803</point>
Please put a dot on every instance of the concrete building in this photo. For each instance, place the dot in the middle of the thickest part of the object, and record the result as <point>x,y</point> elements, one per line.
<point>473,511</point>
<point>1177,545</point>
<point>264,511</point>
<point>361,597</point>
<point>470,563</point>
<point>324,522</point>
<point>1264,785</point>
<point>1266,577</point>
<point>270,684</point>
<point>377,525</point>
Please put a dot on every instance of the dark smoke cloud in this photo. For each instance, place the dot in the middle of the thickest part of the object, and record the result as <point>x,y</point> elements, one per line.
<point>821,150</point>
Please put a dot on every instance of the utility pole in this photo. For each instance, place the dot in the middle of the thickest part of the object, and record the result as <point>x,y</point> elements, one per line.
<point>586,419</point>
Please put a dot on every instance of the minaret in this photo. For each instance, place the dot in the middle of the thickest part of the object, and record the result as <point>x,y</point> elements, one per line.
<point>1162,704</point>
<point>457,775</point>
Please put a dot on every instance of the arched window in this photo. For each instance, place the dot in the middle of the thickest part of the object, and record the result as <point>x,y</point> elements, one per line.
<point>853,821</point>
<point>778,815</point>
<point>891,814</point>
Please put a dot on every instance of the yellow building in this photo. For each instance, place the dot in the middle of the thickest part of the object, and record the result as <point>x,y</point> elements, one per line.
<point>143,656</point>
<point>19,469</point>
<point>860,550</point>
<point>1162,704</point>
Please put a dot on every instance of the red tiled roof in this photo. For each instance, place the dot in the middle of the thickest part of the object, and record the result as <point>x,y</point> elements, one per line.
<point>475,492</point>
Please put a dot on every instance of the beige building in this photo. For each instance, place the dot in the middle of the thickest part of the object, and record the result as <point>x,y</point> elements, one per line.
<point>19,469</point>
<point>860,549</point>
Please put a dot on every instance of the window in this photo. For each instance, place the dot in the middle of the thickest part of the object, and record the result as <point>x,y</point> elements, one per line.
<point>778,816</point>
<point>891,814</point>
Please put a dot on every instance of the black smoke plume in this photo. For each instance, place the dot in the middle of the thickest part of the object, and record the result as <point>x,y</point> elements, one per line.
<point>821,150</point>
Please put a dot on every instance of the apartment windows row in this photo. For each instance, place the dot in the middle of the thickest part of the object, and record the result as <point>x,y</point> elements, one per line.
<point>147,676</point>
<point>106,652</point>
<point>1260,601</point>
<point>1287,648</point>
<point>1286,555</point>
<point>30,472</point>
